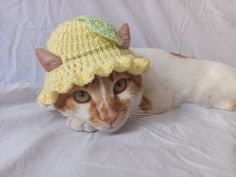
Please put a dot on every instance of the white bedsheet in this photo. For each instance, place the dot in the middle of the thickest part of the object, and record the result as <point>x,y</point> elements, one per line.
<point>190,141</point>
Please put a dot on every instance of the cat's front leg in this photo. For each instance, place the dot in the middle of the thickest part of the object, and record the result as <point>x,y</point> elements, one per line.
<point>79,125</point>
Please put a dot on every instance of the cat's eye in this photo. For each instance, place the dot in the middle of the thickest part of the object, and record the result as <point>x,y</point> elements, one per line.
<point>119,86</point>
<point>82,97</point>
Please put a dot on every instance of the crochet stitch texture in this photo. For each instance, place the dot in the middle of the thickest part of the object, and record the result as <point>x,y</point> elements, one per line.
<point>88,46</point>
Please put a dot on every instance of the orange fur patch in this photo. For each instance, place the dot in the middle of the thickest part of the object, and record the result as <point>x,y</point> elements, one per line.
<point>234,106</point>
<point>145,104</point>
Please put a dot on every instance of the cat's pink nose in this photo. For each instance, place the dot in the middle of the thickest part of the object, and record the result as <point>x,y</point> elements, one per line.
<point>110,120</point>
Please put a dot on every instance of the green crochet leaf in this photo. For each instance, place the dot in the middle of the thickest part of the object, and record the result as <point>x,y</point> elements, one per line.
<point>100,26</point>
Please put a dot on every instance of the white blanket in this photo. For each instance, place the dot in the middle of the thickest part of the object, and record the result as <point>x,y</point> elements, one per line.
<point>190,141</point>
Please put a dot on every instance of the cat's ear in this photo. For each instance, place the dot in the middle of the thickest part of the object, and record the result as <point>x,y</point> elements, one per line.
<point>124,34</point>
<point>48,60</point>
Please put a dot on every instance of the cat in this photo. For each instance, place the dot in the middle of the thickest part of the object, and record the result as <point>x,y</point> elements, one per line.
<point>108,102</point>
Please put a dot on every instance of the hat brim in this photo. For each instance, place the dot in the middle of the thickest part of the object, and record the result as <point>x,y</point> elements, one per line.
<point>83,71</point>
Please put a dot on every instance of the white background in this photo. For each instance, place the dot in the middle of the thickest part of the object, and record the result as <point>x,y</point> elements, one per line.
<point>198,28</point>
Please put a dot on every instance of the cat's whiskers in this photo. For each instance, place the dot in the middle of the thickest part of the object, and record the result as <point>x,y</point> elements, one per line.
<point>140,112</point>
<point>132,122</point>
<point>138,115</point>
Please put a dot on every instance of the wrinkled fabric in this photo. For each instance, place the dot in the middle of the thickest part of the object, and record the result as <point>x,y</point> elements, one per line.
<point>190,141</point>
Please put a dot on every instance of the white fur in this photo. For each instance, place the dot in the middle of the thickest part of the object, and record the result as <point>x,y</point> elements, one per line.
<point>175,80</point>
<point>104,94</point>
<point>78,120</point>
<point>79,125</point>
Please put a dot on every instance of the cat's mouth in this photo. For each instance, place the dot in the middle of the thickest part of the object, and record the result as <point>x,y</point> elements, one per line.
<point>110,128</point>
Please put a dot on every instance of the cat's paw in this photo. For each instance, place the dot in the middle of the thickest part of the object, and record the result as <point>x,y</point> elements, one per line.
<point>79,125</point>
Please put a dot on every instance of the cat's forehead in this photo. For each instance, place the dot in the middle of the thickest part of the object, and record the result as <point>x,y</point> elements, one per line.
<point>115,75</point>
<point>97,81</point>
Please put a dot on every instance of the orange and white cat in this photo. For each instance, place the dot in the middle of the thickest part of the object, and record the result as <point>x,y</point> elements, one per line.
<point>108,102</point>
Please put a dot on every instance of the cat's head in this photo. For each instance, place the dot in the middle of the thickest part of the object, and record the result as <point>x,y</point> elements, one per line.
<point>106,103</point>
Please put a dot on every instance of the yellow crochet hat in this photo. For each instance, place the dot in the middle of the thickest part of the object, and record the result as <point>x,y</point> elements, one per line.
<point>87,46</point>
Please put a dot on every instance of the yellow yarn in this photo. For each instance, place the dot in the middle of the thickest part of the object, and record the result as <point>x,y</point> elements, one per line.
<point>85,54</point>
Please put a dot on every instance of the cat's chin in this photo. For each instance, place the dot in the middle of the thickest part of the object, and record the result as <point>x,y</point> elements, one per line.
<point>111,128</point>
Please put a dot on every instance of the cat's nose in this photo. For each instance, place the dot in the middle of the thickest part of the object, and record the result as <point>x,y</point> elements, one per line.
<point>110,120</point>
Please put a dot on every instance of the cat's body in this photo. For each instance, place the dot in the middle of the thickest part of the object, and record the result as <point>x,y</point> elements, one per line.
<point>108,102</point>
<point>172,80</point>
<point>175,79</point>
